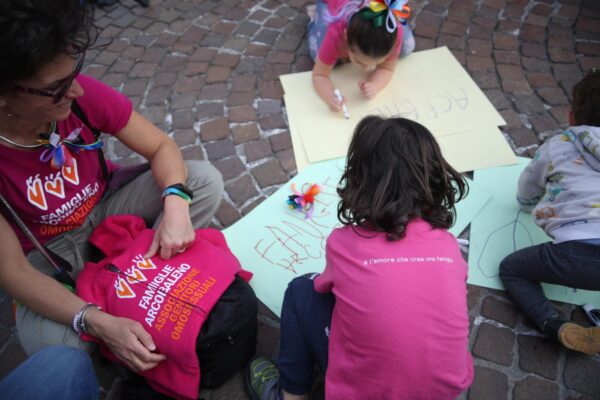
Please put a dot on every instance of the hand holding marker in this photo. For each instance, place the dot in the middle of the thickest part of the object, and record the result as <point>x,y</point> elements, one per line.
<point>338,95</point>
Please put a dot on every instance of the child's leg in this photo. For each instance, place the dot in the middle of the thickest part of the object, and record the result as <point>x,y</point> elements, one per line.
<point>573,264</point>
<point>317,28</point>
<point>305,320</point>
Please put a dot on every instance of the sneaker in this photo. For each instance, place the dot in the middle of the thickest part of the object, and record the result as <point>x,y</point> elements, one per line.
<point>579,338</point>
<point>262,379</point>
<point>592,313</point>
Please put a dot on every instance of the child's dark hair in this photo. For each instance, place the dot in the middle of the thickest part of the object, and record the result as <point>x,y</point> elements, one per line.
<point>586,99</point>
<point>371,41</point>
<point>395,172</point>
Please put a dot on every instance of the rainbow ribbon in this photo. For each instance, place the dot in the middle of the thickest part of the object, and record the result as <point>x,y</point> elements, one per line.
<point>391,11</point>
<point>58,150</point>
<point>303,202</point>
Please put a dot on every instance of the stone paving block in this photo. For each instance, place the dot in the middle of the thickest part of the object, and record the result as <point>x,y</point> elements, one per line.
<point>230,167</point>
<point>269,174</point>
<point>184,137</point>
<point>494,344</point>
<point>498,99</point>
<point>581,374</point>
<point>281,141</point>
<point>183,119</point>
<point>489,384</point>
<point>523,137</point>
<point>538,354</point>
<point>209,110</point>
<point>529,104</point>
<point>241,190</point>
<point>245,133</point>
<point>535,388</point>
<point>543,123</point>
<point>242,114</point>
<point>214,130</point>
<point>220,149</point>
<point>501,311</point>
<point>257,150</point>
<point>227,214</point>
<point>287,160</point>
<point>193,153</point>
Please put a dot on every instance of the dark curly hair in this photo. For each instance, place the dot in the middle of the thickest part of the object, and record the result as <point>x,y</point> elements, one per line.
<point>586,99</point>
<point>371,41</point>
<point>35,32</point>
<point>395,172</point>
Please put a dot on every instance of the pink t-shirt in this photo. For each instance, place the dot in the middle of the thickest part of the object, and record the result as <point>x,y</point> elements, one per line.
<point>52,201</point>
<point>334,45</point>
<point>400,327</point>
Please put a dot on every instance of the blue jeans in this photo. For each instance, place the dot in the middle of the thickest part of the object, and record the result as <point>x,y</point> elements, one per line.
<point>53,373</point>
<point>575,264</point>
<point>305,320</point>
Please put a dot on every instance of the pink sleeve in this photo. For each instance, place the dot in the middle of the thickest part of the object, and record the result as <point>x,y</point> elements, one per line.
<point>324,282</point>
<point>106,109</point>
<point>328,52</point>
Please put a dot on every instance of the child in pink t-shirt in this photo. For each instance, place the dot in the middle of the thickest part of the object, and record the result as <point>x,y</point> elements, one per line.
<point>387,318</point>
<point>371,34</point>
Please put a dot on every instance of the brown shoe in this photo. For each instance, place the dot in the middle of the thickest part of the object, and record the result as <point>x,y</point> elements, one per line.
<point>579,338</point>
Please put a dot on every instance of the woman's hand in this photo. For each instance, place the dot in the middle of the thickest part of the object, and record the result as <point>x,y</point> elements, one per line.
<point>126,339</point>
<point>174,232</point>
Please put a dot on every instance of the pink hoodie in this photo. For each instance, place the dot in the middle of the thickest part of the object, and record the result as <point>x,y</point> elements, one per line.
<point>170,298</point>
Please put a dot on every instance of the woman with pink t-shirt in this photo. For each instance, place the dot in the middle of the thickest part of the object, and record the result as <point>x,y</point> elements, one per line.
<point>54,177</point>
<point>387,318</point>
<point>371,34</point>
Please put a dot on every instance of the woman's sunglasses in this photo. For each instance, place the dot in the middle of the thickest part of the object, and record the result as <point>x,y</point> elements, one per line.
<point>61,87</point>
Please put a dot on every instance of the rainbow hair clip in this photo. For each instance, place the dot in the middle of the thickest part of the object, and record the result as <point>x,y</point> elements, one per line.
<point>303,202</point>
<point>390,11</point>
<point>58,150</point>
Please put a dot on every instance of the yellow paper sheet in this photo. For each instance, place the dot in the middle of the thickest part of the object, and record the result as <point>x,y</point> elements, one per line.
<point>430,87</point>
<point>479,148</point>
<point>299,152</point>
<point>482,147</point>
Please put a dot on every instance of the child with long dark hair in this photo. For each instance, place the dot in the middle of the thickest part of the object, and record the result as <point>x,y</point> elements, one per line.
<point>371,34</point>
<point>387,318</point>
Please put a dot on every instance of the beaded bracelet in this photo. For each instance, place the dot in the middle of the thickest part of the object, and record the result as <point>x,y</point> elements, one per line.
<point>78,324</point>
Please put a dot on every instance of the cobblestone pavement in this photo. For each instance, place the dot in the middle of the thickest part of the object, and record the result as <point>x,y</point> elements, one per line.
<point>206,71</point>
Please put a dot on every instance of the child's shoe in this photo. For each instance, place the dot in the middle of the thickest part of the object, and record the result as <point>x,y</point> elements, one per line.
<point>579,338</point>
<point>592,313</point>
<point>262,379</point>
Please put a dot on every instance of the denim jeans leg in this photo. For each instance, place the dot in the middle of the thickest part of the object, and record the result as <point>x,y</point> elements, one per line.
<point>573,264</point>
<point>53,373</point>
<point>305,321</point>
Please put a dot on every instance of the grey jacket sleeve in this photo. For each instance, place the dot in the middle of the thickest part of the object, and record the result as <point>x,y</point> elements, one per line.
<point>532,182</point>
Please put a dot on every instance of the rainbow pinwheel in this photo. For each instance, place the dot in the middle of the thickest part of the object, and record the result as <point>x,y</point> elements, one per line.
<point>303,202</point>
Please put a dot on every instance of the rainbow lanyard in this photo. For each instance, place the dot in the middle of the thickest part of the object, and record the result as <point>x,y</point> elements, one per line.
<point>59,151</point>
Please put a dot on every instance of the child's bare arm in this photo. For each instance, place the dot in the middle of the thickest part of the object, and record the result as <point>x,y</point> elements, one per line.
<point>378,79</point>
<point>323,85</point>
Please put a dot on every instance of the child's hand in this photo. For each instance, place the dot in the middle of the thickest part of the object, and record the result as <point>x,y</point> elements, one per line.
<point>335,104</point>
<point>368,89</point>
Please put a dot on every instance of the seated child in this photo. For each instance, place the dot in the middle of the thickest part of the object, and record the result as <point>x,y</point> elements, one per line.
<point>369,34</point>
<point>387,319</point>
<point>562,186</point>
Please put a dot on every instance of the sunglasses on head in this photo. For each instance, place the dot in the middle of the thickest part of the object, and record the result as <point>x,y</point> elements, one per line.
<point>61,87</point>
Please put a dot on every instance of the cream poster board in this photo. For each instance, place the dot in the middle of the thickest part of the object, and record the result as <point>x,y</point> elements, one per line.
<point>430,87</point>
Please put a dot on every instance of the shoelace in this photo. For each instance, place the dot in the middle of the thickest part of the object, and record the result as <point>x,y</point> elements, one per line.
<point>268,373</point>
